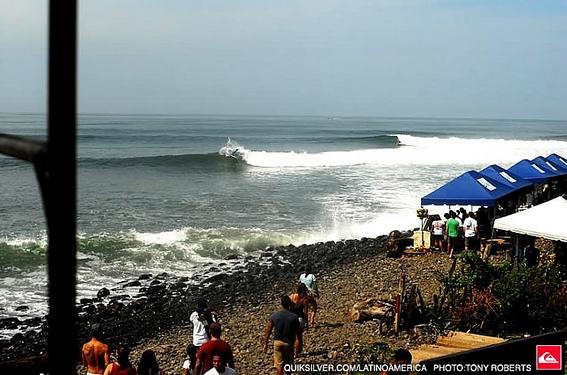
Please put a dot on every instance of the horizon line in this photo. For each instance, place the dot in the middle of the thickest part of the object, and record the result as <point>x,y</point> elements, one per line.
<point>331,117</point>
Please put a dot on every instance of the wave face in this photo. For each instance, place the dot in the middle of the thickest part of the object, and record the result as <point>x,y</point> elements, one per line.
<point>179,193</point>
<point>211,161</point>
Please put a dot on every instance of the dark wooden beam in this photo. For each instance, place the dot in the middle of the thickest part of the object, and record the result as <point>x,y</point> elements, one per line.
<point>22,148</point>
<point>61,189</point>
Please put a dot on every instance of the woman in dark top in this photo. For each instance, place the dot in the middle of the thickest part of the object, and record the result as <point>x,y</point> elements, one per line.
<point>148,364</point>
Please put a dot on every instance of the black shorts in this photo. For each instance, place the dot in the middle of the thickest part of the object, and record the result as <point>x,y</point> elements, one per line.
<point>470,243</point>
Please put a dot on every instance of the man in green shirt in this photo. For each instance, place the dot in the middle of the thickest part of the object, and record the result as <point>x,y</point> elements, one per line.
<point>452,233</point>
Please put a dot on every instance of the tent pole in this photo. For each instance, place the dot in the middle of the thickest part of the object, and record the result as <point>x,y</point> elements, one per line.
<point>492,223</point>
<point>517,257</point>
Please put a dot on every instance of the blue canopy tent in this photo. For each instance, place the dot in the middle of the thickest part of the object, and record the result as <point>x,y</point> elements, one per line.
<point>549,166</point>
<point>470,188</point>
<point>531,172</point>
<point>505,177</point>
<point>559,166</point>
<point>558,160</point>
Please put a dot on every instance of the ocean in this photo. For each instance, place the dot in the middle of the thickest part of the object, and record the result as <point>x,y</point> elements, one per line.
<point>170,193</point>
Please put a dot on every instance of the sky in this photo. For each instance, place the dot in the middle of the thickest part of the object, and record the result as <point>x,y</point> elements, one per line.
<point>399,58</point>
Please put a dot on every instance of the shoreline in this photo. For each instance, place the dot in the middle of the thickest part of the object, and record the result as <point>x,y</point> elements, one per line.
<point>152,304</point>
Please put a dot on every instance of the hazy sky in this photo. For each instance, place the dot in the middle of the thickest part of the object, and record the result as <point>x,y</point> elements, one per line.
<point>490,59</point>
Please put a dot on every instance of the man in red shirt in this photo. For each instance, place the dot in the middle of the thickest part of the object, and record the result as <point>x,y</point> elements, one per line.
<point>214,345</point>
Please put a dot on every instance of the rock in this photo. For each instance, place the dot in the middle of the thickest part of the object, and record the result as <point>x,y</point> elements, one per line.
<point>89,309</point>
<point>133,283</point>
<point>16,338</point>
<point>220,276</point>
<point>32,322</point>
<point>120,297</point>
<point>145,276</point>
<point>103,293</point>
<point>156,289</point>
<point>9,323</point>
<point>22,308</point>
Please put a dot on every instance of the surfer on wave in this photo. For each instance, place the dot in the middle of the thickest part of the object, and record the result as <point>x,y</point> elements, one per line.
<point>231,149</point>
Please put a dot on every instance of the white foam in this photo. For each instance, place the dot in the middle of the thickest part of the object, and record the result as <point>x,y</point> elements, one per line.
<point>415,151</point>
<point>21,241</point>
<point>161,238</point>
<point>381,224</point>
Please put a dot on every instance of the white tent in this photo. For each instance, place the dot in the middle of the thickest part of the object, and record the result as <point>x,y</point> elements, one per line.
<point>548,220</point>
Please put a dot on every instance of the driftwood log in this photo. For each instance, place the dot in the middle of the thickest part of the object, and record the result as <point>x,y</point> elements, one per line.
<point>368,309</point>
<point>397,242</point>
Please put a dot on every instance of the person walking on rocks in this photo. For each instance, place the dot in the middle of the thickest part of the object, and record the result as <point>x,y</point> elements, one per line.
<point>148,364</point>
<point>308,279</point>
<point>201,318</point>
<point>95,353</point>
<point>300,304</point>
<point>287,331</point>
<point>214,346</point>
<point>122,366</point>
<point>219,367</point>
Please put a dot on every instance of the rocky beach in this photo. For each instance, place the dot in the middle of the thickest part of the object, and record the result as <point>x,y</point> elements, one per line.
<point>153,310</point>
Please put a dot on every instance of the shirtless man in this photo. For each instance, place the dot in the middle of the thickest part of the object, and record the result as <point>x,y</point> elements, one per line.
<point>96,355</point>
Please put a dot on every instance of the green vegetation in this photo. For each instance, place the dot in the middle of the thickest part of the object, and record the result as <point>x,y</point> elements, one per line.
<point>499,297</point>
<point>379,352</point>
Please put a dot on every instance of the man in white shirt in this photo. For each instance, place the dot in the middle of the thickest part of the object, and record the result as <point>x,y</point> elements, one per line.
<point>438,227</point>
<point>219,367</point>
<point>308,279</point>
<point>201,318</point>
<point>470,226</point>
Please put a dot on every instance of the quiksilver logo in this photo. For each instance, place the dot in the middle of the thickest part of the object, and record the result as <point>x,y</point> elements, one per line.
<point>547,358</point>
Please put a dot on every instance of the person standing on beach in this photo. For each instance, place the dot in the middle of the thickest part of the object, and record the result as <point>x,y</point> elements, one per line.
<point>214,346</point>
<point>287,330</point>
<point>438,233</point>
<point>471,232</point>
<point>122,366</point>
<point>452,233</point>
<point>95,353</point>
<point>201,318</point>
<point>462,215</point>
<point>308,279</point>
<point>531,255</point>
<point>191,353</point>
<point>219,367</point>
<point>148,364</point>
